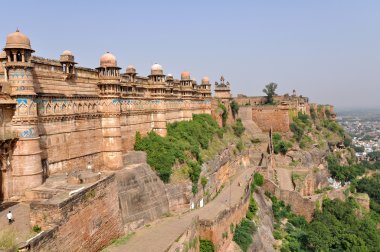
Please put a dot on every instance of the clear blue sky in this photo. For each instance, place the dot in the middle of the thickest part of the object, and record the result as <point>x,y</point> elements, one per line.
<point>328,50</point>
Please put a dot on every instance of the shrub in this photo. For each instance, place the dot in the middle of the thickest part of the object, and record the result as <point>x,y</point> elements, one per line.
<point>277,234</point>
<point>204,182</point>
<point>297,131</point>
<point>206,246</point>
<point>258,179</point>
<point>252,208</point>
<point>234,108</point>
<point>279,145</point>
<point>224,113</point>
<point>238,128</point>
<point>36,228</point>
<point>243,234</point>
<point>239,146</point>
<point>182,143</point>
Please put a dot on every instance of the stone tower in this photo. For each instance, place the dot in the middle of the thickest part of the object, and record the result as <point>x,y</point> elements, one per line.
<point>157,91</point>
<point>110,89</point>
<point>205,88</point>
<point>222,90</point>
<point>26,159</point>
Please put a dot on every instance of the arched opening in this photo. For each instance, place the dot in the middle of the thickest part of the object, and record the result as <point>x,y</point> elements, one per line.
<point>18,56</point>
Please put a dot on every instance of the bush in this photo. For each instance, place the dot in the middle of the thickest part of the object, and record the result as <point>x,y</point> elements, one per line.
<point>234,108</point>
<point>239,146</point>
<point>243,234</point>
<point>252,208</point>
<point>277,234</point>
<point>258,179</point>
<point>224,113</point>
<point>238,128</point>
<point>36,228</point>
<point>182,144</point>
<point>297,131</point>
<point>206,246</point>
<point>204,182</point>
<point>279,145</point>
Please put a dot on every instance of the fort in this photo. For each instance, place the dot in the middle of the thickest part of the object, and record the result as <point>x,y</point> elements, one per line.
<point>67,139</point>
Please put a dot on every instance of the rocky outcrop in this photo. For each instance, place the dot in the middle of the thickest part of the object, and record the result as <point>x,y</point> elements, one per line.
<point>263,239</point>
<point>142,194</point>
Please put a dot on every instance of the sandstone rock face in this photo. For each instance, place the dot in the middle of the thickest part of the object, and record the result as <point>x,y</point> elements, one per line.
<point>142,194</point>
<point>263,239</point>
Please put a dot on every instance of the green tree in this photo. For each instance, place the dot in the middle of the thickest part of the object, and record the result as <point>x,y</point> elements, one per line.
<point>270,91</point>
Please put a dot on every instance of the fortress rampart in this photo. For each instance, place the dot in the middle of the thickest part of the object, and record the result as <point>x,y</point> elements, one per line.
<point>58,117</point>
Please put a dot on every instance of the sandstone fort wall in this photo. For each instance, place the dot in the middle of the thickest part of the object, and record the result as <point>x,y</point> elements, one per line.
<point>94,212</point>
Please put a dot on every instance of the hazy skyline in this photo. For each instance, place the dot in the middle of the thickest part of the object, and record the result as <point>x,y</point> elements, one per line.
<point>326,50</point>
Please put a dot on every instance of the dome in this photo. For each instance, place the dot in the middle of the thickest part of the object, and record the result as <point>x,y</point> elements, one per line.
<point>205,80</point>
<point>17,40</point>
<point>67,53</point>
<point>170,75</point>
<point>156,69</point>
<point>185,75</point>
<point>108,60</point>
<point>131,69</point>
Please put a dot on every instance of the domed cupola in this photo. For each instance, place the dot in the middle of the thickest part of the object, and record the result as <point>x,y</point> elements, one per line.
<point>18,40</point>
<point>185,75</point>
<point>156,73</point>
<point>18,48</point>
<point>108,60</point>
<point>67,61</point>
<point>109,76</point>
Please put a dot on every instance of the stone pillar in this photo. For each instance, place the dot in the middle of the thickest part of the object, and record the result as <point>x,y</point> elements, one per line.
<point>26,164</point>
<point>111,131</point>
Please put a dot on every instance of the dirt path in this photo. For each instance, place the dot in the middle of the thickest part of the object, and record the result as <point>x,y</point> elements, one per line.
<point>20,229</point>
<point>161,234</point>
<point>285,179</point>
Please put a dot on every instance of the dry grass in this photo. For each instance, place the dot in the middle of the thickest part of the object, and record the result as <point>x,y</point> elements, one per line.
<point>8,240</point>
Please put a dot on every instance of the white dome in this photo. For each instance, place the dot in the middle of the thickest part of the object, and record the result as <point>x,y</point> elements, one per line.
<point>170,75</point>
<point>156,67</point>
<point>67,53</point>
<point>130,67</point>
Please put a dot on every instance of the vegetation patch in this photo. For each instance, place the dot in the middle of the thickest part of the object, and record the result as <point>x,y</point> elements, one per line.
<point>182,145</point>
<point>336,228</point>
<point>206,246</point>
<point>8,240</point>
<point>350,172</point>
<point>243,234</point>
<point>279,145</point>
<point>238,128</point>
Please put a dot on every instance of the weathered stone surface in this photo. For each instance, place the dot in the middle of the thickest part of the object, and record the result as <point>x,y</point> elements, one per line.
<point>142,195</point>
<point>85,221</point>
<point>263,239</point>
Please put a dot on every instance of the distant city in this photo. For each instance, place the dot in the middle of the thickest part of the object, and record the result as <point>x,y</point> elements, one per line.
<point>364,127</point>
